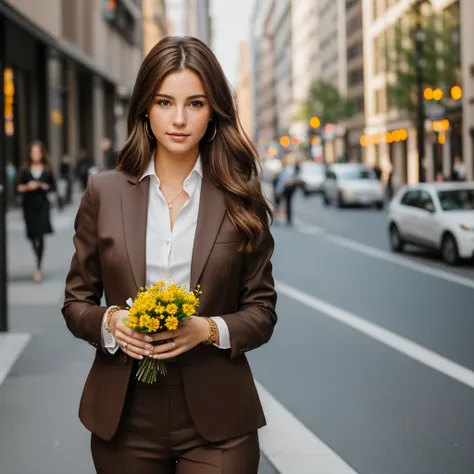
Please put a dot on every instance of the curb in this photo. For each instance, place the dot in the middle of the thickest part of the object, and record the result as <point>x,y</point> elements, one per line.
<point>12,346</point>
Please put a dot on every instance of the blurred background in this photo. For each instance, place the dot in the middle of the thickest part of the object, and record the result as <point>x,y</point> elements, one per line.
<point>362,113</point>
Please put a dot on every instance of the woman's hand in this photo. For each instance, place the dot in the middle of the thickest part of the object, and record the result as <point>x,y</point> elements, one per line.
<point>44,186</point>
<point>189,334</point>
<point>33,185</point>
<point>136,344</point>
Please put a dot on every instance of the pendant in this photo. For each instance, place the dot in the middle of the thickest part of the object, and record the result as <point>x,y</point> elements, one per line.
<point>170,206</point>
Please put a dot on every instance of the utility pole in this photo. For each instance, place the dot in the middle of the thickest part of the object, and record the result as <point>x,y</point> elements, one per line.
<point>420,66</point>
<point>3,192</point>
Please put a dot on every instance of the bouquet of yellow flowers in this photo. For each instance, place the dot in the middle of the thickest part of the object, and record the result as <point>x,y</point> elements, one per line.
<point>163,306</point>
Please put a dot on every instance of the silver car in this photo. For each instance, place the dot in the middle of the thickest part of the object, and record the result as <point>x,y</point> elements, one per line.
<point>352,184</point>
<point>312,176</point>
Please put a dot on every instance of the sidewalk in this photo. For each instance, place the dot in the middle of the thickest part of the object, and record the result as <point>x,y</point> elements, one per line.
<point>39,428</point>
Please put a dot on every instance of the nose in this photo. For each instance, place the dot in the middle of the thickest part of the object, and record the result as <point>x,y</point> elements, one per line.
<point>179,118</point>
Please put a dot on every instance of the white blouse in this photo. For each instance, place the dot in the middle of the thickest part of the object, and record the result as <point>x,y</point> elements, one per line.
<point>169,250</point>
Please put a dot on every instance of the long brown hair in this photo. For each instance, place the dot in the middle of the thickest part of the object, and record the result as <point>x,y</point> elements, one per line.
<point>45,161</point>
<point>229,159</point>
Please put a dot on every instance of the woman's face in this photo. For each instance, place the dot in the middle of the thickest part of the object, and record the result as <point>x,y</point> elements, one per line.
<point>35,154</point>
<point>180,113</point>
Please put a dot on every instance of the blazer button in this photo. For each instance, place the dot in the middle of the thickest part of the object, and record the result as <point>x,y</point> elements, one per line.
<point>125,358</point>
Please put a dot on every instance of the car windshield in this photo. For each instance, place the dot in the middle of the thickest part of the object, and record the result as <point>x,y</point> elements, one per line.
<point>312,168</point>
<point>456,199</point>
<point>356,174</point>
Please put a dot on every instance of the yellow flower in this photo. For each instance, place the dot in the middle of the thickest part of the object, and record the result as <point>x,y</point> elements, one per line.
<point>161,316</point>
<point>144,321</point>
<point>153,325</point>
<point>159,308</point>
<point>191,298</point>
<point>188,309</point>
<point>171,323</point>
<point>172,309</point>
<point>133,311</point>
<point>167,296</point>
<point>133,320</point>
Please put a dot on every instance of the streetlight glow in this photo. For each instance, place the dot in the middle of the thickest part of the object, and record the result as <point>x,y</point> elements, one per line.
<point>456,93</point>
<point>315,122</point>
<point>437,94</point>
<point>428,93</point>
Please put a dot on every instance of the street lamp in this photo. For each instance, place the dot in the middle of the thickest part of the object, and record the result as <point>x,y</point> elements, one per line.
<point>420,65</point>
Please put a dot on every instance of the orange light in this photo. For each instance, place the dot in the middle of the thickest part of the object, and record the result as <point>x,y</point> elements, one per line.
<point>442,139</point>
<point>285,141</point>
<point>437,94</point>
<point>363,140</point>
<point>389,137</point>
<point>403,134</point>
<point>444,124</point>
<point>315,122</point>
<point>456,93</point>
<point>428,93</point>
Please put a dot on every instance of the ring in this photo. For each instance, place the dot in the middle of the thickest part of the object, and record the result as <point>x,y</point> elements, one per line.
<point>173,345</point>
<point>124,345</point>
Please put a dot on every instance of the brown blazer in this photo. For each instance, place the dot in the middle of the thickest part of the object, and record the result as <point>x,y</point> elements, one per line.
<point>110,259</point>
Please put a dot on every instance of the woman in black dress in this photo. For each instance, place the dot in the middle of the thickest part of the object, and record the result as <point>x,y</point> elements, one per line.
<point>35,180</point>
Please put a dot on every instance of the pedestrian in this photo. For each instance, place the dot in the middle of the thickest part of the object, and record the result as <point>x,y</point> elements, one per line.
<point>459,170</point>
<point>110,156</point>
<point>84,164</point>
<point>287,183</point>
<point>35,181</point>
<point>184,204</point>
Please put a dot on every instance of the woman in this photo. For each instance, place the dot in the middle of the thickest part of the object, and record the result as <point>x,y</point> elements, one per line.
<point>184,204</point>
<point>287,183</point>
<point>35,180</point>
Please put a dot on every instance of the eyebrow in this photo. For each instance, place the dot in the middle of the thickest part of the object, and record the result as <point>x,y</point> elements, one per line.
<point>196,96</point>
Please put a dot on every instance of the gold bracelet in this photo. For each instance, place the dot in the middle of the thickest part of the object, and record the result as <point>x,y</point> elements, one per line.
<point>111,311</point>
<point>213,336</point>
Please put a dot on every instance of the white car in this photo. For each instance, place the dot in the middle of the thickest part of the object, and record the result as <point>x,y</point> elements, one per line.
<point>312,176</point>
<point>435,215</point>
<point>352,183</point>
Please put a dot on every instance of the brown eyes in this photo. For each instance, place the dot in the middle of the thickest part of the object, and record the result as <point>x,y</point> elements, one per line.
<point>197,104</point>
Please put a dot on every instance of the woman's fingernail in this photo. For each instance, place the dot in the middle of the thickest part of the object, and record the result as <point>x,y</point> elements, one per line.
<point>140,357</point>
<point>148,338</point>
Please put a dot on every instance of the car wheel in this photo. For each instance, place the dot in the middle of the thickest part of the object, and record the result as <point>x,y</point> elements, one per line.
<point>449,250</point>
<point>340,201</point>
<point>306,193</point>
<point>396,241</point>
<point>325,199</point>
<point>379,205</point>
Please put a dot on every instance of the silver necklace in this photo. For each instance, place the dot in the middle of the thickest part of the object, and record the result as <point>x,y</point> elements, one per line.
<point>170,203</point>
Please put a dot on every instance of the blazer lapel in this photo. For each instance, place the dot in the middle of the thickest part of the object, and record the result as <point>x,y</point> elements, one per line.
<point>212,210</point>
<point>134,213</point>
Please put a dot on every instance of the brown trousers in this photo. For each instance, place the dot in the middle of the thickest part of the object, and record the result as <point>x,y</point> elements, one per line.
<point>156,435</point>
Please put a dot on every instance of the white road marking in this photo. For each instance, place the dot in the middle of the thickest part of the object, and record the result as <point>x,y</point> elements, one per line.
<point>290,446</point>
<point>384,255</point>
<point>11,347</point>
<point>399,343</point>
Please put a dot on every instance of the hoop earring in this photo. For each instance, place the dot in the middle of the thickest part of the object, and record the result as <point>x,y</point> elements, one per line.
<point>148,131</point>
<point>214,135</point>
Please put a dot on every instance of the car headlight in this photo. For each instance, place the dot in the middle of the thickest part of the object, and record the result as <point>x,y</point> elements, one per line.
<point>348,192</point>
<point>468,228</point>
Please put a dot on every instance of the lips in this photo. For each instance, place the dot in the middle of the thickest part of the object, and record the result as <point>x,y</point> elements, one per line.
<point>178,134</point>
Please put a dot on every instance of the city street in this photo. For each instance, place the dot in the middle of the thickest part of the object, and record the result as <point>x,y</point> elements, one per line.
<point>370,370</point>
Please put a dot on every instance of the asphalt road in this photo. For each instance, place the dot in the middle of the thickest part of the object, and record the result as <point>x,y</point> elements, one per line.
<point>381,410</point>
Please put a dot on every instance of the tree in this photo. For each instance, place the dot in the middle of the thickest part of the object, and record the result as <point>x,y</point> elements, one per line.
<point>325,102</point>
<point>441,59</point>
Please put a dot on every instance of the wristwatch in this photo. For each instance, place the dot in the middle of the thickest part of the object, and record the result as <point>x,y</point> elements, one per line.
<point>107,320</point>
